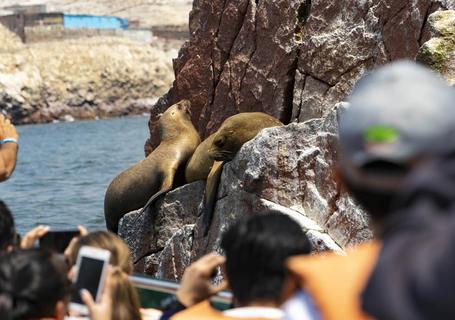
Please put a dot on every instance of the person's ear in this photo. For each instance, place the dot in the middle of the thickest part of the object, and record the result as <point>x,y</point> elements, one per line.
<point>60,310</point>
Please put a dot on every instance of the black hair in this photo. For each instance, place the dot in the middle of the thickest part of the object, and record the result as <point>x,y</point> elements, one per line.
<point>31,284</point>
<point>256,249</point>
<point>7,228</point>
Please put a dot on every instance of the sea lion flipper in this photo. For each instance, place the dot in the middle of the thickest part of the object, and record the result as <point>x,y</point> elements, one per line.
<point>211,190</point>
<point>166,186</point>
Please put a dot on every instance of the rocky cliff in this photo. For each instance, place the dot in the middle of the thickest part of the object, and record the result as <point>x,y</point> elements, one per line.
<point>439,52</point>
<point>295,60</point>
<point>290,169</point>
<point>84,78</point>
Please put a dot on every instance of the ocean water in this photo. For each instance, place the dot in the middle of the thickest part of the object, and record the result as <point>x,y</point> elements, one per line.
<point>64,169</point>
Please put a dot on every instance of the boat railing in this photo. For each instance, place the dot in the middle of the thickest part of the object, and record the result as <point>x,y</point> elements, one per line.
<point>153,291</point>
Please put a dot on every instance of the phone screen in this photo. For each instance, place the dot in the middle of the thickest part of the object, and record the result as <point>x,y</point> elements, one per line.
<point>88,278</point>
<point>57,240</point>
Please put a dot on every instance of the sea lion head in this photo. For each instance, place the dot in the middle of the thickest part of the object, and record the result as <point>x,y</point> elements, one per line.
<point>180,109</point>
<point>175,119</point>
<point>236,130</point>
<point>228,141</point>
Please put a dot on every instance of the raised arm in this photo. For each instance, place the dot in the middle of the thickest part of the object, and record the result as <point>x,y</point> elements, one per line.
<point>8,148</point>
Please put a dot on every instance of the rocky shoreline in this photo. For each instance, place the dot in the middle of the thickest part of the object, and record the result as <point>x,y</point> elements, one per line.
<point>87,78</point>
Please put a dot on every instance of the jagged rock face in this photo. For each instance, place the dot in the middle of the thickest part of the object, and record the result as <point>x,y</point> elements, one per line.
<point>266,56</point>
<point>149,234</point>
<point>83,78</point>
<point>439,52</point>
<point>289,169</point>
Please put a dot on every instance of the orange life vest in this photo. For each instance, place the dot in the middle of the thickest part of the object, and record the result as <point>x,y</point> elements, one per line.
<point>204,311</point>
<point>335,282</point>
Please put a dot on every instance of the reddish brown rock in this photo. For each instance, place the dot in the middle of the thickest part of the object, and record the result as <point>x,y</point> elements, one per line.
<point>266,56</point>
<point>288,169</point>
<point>239,58</point>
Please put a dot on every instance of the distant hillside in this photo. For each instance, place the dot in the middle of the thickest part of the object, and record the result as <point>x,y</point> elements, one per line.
<point>148,12</point>
<point>84,78</point>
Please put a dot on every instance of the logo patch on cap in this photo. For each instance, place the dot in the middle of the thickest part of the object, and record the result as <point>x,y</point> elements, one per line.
<point>381,134</point>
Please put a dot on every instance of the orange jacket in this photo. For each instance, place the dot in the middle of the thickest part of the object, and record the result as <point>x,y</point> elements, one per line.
<point>335,282</point>
<point>204,311</point>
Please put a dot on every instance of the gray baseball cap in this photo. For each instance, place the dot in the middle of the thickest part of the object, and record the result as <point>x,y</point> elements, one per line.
<point>397,113</point>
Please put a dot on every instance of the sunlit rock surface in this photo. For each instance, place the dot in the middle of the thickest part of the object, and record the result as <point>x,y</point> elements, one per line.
<point>439,52</point>
<point>271,56</point>
<point>289,169</point>
<point>83,78</point>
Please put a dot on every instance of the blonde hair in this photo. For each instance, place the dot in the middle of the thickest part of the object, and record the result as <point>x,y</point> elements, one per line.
<point>120,253</point>
<point>124,297</point>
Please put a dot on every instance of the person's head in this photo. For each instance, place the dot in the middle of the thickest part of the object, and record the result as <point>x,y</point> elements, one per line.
<point>120,253</point>
<point>399,116</point>
<point>33,285</point>
<point>8,235</point>
<point>125,296</point>
<point>256,249</point>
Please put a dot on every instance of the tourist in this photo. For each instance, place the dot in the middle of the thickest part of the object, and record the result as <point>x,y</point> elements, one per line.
<point>413,278</point>
<point>127,305</point>
<point>8,148</point>
<point>255,250</point>
<point>396,119</point>
<point>33,285</point>
<point>120,253</point>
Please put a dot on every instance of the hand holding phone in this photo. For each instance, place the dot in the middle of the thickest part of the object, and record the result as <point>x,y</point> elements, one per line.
<point>29,239</point>
<point>91,267</point>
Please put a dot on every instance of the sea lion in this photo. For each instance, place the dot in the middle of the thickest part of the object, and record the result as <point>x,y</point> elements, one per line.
<point>237,130</point>
<point>227,141</point>
<point>153,176</point>
<point>200,164</point>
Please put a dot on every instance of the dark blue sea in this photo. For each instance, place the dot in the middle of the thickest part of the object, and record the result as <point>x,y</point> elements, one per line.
<point>64,169</point>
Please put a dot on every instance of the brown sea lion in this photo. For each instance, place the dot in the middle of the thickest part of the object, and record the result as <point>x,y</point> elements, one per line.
<point>227,141</point>
<point>237,130</point>
<point>154,175</point>
<point>200,163</point>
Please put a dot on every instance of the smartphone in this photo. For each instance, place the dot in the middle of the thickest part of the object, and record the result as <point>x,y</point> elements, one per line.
<point>57,241</point>
<point>91,267</point>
